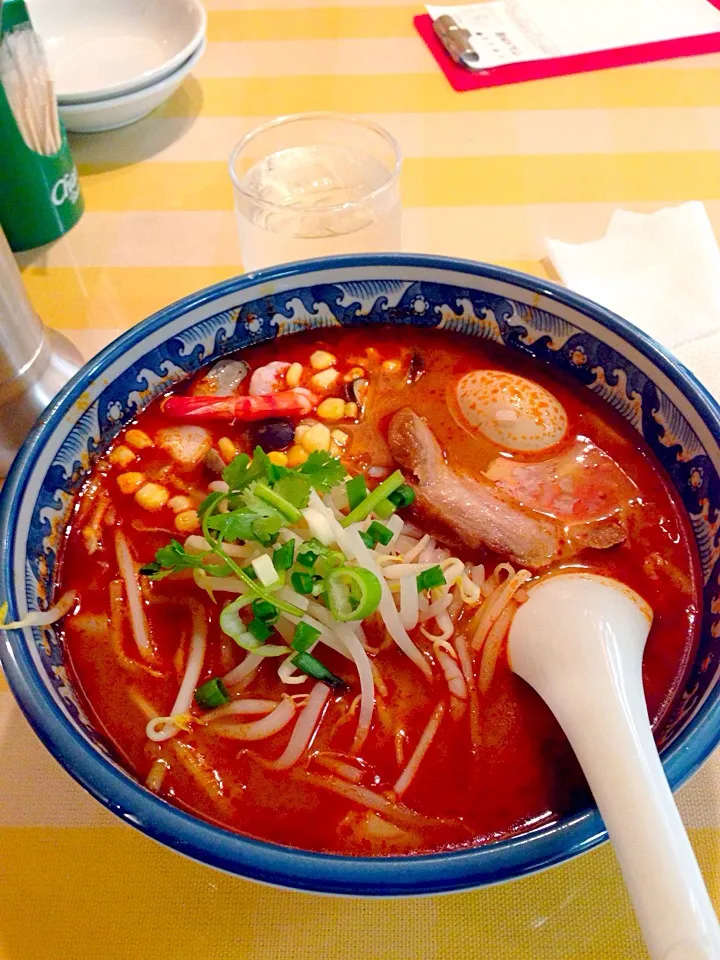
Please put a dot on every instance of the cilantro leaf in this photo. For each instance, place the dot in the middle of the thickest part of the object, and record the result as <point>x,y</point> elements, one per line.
<point>323,471</point>
<point>242,471</point>
<point>174,557</point>
<point>295,488</point>
<point>247,524</point>
<point>235,471</point>
<point>275,472</point>
<point>252,519</point>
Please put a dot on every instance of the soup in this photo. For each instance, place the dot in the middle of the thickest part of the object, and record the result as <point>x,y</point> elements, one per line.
<point>288,587</point>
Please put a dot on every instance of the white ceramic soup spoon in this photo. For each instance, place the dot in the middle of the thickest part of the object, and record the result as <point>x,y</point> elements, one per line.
<point>579,641</point>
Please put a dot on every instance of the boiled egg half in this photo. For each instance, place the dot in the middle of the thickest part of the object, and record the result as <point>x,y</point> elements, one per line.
<point>511,412</point>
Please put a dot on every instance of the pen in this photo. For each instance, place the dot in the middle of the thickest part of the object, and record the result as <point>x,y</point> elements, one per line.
<point>456,41</point>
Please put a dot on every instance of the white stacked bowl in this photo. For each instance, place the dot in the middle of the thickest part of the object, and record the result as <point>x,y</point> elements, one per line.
<point>113,61</point>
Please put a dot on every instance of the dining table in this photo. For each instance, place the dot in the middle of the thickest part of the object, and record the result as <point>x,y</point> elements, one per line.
<point>487,175</point>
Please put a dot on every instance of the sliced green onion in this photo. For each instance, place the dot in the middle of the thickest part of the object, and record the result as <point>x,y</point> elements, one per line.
<point>284,556</point>
<point>212,694</point>
<point>302,582</point>
<point>381,492</point>
<point>356,490</point>
<point>307,558</point>
<point>233,626</point>
<point>264,610</point>
<point>366,539</point>
<point>249,572</point>
<point>266,572</point>
<point>304,637</point>
<point>307,663</point>
<point>283,506</point>
<point>271,650</point>
<point>434,577</point>
<point>379,533</point>
<point>402,497</point>
<point>259,629</point>
<point>353,593</point>
<point>385,509</point>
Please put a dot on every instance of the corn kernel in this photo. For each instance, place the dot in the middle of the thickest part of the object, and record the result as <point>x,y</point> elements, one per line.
<point>294,374</point>
<point>317,438</point>
<point>300,430</point>
<point>392,366</point>
<point>138,439</point>
<point>278,458</point>
<point>296,455</point>
<point>324,380</point>
<point>121,456</point>
<point>228,450</point>
<point>351,410</point>
<point>333,408</point>
<point>187,521</point>
<point>354,373</point>
<point>130,482</point>
<point>339,437</point>
<point>321,360</point>
<point>151,496</point>
<point>179,504</point>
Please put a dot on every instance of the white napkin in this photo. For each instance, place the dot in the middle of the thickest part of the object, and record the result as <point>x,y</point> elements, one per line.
<point>661,271</point>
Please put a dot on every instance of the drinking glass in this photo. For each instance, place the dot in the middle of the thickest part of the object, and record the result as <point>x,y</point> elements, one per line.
<point>316,184</point>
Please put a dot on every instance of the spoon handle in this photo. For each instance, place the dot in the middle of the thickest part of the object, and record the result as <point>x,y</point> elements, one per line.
<point>622,766</point>
<point>598,699</point>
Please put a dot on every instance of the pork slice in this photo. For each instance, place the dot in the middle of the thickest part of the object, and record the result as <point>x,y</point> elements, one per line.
<point>474,510</point>
<point>480,514</point>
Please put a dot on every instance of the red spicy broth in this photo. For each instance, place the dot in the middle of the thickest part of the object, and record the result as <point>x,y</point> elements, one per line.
<point>492,772</point>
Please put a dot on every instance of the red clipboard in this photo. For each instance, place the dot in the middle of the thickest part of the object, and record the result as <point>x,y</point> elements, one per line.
<point>462,79</point>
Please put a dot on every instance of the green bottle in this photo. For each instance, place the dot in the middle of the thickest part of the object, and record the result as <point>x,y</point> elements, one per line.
<point>40,197</point>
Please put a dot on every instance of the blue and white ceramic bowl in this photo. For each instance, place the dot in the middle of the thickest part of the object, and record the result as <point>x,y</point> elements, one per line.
<point>607,355</point>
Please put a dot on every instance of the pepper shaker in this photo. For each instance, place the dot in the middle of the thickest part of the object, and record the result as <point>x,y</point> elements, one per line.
<point>35,362</point>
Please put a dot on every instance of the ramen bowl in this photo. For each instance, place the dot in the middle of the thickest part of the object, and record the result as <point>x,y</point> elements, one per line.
<point>563,331</point>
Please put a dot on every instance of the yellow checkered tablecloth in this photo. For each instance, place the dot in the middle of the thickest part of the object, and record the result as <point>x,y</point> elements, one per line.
<point>487,175</point>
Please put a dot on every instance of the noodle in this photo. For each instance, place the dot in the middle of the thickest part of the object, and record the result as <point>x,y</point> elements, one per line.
<point>305,729</point>
<point>378,678</point>
<point>247,707</point>
<point>494,606</point>
<point>409,606</point>
<point>362,662</point>
<point>344,770</point>
<point>244,672</point>
<point>415,551</point>
<point>193,669</point>
<point>138,620</point>
<point>394,812</point>
<point>447,658</point>
<point>117,620</point>
<point>446,625</point>
<point>467,671</point>
<point>399,738</point>
<point>156,775</point>
<point>426,738</point>
<point>493,646</point>
<point>44,618</point>
<point>273,723</point>
<point>204,775</point>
